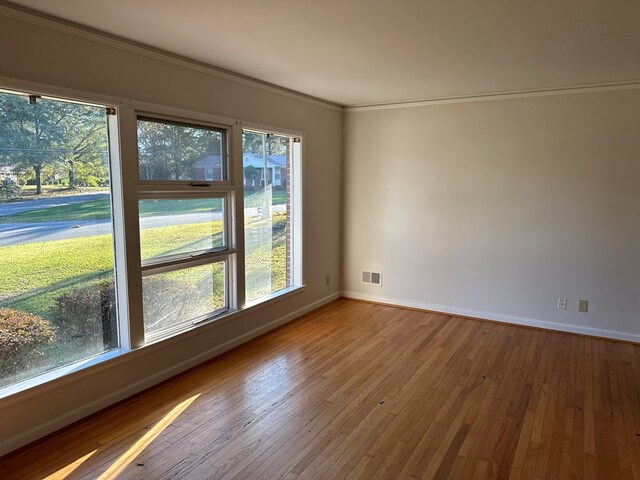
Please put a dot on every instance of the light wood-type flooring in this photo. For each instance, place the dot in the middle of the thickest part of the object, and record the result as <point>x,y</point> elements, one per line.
<point>358,390</point>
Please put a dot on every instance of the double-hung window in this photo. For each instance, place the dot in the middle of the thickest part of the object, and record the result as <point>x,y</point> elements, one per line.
<point>186,243</point>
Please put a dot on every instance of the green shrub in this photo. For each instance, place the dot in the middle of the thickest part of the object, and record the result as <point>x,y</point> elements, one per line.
<point>21,335</point>
<point>168,299</point>
<point>9,191</point>
<point>86,316</point>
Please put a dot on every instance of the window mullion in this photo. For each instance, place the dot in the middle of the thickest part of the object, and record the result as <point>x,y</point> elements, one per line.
<point>236,221</point>
<point>128,263</point>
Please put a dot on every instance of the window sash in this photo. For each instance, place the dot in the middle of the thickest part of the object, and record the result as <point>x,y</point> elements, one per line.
<point>224,130</point>
<point>185,190</point>
<point>226,222</point>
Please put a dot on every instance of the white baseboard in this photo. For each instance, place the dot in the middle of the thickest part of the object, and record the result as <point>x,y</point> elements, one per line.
<point>76,414</point>
<point>561,327</point>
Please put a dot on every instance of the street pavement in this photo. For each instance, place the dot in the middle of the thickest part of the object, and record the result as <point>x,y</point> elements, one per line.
<point>20,233</point>
<point>12,208</point>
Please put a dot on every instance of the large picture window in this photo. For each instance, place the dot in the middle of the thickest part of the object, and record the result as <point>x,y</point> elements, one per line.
<point>57,288</point>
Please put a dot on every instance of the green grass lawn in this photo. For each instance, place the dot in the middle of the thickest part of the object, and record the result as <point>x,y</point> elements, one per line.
<point>38,273</point>
<point>100,209</point>
<point>35,275</point>
<point>29,191</point>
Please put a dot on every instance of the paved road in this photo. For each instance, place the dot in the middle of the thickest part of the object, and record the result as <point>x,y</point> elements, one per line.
<point>20,233</point>
<point>11,208</point>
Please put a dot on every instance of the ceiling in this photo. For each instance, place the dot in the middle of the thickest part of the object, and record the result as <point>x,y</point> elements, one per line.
<point>382,51</point>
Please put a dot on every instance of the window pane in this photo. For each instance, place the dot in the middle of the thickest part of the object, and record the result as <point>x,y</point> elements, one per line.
<point>267,226</point>
<point>175,226</point>
<point>178,298</point>
<point>174,151</point>
<point>57,294</point>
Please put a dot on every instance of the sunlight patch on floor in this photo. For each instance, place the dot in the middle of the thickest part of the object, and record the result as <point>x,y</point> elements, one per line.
<point>66,471</point>
<point>127,457</point>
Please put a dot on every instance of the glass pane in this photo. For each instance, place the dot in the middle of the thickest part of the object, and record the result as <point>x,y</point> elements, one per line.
<point>173,151</point>
<point>266,163</point>
<point>174,226</point>
<point>177,298</point>
<point>57,294</point>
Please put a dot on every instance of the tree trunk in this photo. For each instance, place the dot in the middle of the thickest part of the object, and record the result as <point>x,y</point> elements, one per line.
<point>72,176</point>
<point>38,170</point>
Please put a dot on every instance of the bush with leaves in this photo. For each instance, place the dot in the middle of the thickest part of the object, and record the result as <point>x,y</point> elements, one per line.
<point>86,317</point>
<point>9,191</point>
<point>168,301</point>
<point>21,336</point>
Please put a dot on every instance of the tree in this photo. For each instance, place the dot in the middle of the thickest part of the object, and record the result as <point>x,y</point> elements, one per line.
<point>252,174</point>
<point>50,134</point>
<point>25,137</point>
<point>252,143</point>
<point>168,151</point>
<point>85,149</point>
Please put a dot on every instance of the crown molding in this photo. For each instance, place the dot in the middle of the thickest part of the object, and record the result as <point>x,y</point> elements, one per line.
<point>33,17</point>
<point>602,87</point>
<point>26,15</point>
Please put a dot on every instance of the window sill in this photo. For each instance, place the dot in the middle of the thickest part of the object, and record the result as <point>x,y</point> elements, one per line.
<point>227,316</point>
<point>62,372</point>
<point>64,375</point>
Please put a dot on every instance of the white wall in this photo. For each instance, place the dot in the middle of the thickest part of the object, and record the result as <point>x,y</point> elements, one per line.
<point>37,54</point>
<point>496,208</point>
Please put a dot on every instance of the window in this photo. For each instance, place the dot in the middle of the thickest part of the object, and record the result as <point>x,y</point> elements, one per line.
<point>120,227</point>
<point>57,282</point>
<point>169,150</point>
<point>185,246</point>
<point>270,163</point>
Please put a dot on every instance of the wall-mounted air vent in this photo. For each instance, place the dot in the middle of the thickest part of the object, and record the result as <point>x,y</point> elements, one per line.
<point>372,278</point>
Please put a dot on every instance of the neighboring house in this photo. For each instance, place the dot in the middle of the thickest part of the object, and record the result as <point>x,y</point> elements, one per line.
<point>276,169</point>
<point>7,174</point>
<point>208,169</point>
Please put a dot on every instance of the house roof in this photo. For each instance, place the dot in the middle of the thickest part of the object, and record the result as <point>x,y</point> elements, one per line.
<point>257,160</point>
<point>208,161</point>
<point>249,159</point>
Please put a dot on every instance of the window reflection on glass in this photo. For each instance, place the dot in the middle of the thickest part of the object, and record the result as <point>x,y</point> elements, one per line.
<point>177,298</point>
<point>267,227</point>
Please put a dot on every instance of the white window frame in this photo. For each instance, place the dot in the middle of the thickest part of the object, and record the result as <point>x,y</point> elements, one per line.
<point>225,188</point>
<point>125,193</point>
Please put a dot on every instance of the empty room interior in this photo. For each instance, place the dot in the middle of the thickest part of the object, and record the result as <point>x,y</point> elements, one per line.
<point>319,240</point>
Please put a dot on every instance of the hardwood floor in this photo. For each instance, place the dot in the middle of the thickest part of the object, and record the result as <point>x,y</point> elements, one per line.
<point>356,390</point>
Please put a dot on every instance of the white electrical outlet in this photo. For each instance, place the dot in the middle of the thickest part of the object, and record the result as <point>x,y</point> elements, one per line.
<point>583,306</point>
<point>562,304</point>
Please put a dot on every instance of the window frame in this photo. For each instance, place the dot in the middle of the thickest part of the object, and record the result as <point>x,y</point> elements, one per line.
<point>191,189</point>
<point>297,206</point>
<point>213,126</point>
<point>126,191</point>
